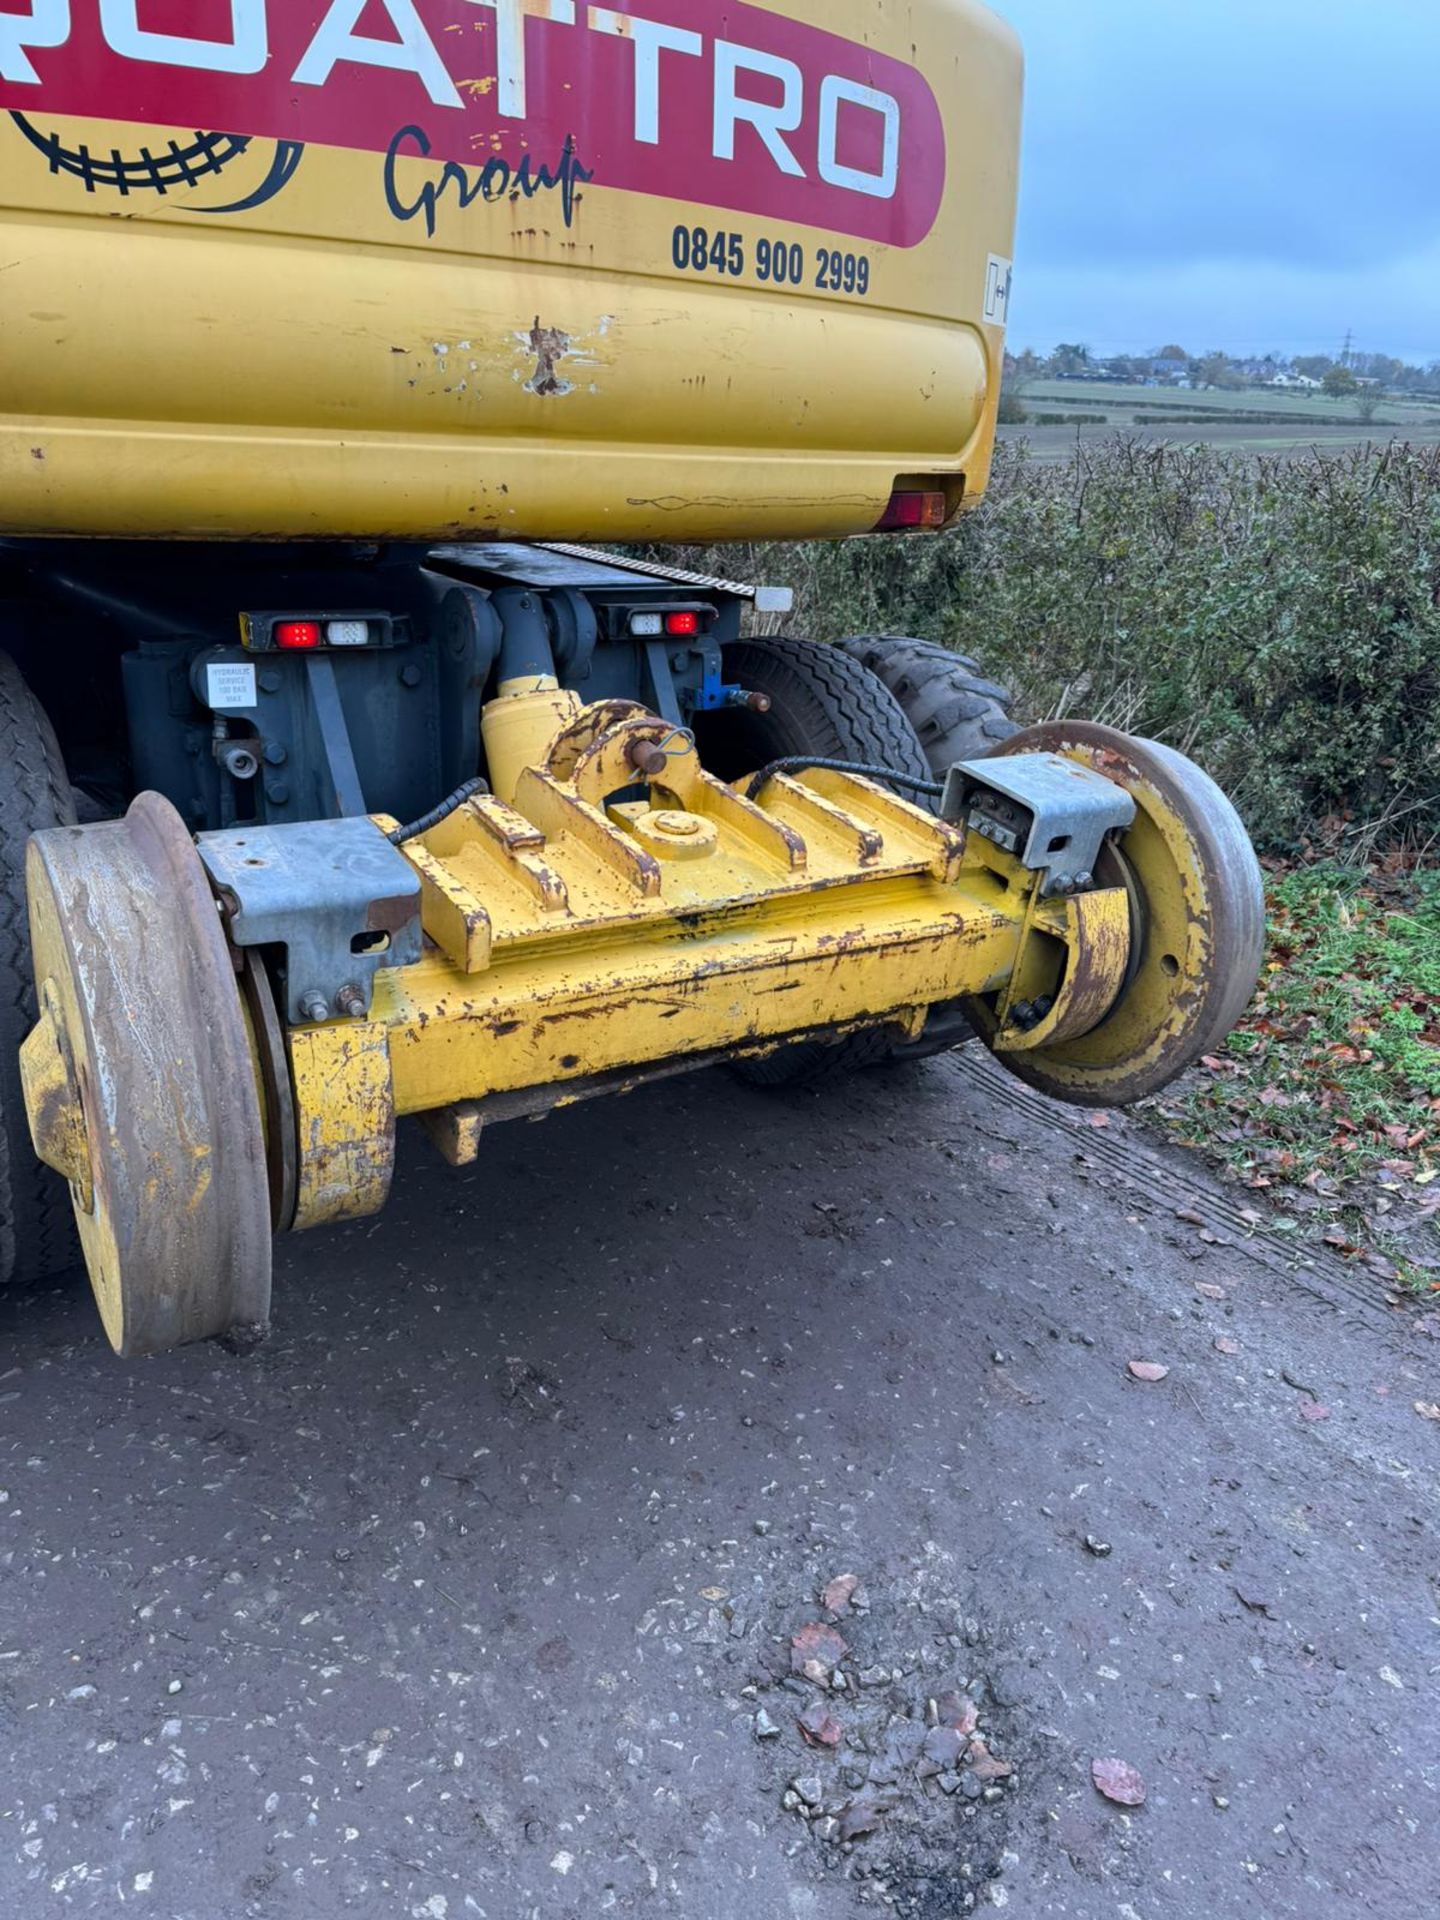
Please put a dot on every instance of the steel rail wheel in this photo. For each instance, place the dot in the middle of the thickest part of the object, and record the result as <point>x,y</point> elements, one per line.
<point>140,1083</point>
<point>1198,923</point>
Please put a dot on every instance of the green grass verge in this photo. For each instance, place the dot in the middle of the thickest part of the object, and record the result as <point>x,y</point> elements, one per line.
<point>1327,1097</point>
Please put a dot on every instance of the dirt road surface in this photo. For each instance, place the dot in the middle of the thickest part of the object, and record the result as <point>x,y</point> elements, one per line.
<point>473,1592</point>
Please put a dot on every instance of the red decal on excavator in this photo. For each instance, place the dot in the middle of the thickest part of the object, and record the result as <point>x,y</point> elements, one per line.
<point>734,107</point>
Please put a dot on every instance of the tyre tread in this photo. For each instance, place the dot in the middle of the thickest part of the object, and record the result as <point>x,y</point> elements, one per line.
<point>37,1235</point>
<point>955,710</point>
<point>844,712</point>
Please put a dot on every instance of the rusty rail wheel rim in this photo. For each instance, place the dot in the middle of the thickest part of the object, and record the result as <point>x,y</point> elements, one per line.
<point>265,1032</point>
<point>1198,916</point>
<point>128,938</point>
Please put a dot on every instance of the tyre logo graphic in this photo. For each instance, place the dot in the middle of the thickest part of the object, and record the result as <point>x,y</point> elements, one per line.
<point>205,157</point>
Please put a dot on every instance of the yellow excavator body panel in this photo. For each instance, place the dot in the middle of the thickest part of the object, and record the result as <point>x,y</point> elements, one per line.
<point>539,269</point>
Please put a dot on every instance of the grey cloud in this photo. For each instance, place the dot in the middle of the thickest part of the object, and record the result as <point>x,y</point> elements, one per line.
<point>1300,141</point>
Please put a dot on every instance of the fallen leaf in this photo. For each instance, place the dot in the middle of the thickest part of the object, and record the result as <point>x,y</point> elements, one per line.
<point>943,1748</point>
<point>838,1595</point>
<point>1256,1602</point>
<point>1427,1410</point>
<point>985,1766</point>
<point>1100,1120</point>
<point>1227,1346</point>
<point>819,1726</point>
<point>1312,1411</point>
<point>957,1710</point>
<point>816,1646</point>
<point>1118,1782</point>
<point>1189,1215</point>
<point>1208,1292</point>
<point>1149,1372</point>
<point>861,1817</point>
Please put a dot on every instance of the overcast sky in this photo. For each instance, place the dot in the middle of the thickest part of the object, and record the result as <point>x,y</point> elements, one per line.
<point>1246,174</point>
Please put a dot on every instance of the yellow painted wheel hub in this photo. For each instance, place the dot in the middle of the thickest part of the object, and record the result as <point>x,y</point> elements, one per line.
<point>1197,924</point>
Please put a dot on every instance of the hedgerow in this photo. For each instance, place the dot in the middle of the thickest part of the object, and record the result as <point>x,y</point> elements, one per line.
<point>1277,619</point>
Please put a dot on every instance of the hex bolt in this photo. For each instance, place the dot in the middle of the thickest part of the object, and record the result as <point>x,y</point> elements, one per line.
<point>759,702</point>
<point>647,759</point>
<point>275,754</point>
<point>1084,882</point>
<point>351,1002</point>
<point>314,1006</point>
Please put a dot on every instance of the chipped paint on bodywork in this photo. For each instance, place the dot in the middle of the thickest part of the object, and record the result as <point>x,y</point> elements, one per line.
<point>550,346</point>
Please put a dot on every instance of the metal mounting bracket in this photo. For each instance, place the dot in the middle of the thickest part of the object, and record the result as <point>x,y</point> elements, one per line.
<point>335,894</point>
<point>1049,811</point>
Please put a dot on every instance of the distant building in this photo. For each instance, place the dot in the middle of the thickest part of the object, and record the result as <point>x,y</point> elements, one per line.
<point>1168,371</point>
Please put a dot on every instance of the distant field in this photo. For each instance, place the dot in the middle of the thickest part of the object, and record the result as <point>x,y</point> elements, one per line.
<point>1253,421</point>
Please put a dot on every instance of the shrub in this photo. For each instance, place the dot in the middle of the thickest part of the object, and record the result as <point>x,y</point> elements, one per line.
<point>1279,620</point>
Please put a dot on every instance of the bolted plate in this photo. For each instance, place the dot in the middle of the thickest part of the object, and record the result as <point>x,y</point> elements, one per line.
<point>1198,923</point>
<point>340,900</point>
<point>137,981</point>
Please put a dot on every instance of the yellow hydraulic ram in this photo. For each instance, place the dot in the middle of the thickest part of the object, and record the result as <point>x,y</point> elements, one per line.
<point>205,1078</point>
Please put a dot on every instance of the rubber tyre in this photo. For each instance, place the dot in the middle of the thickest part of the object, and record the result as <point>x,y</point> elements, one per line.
<point>37,1234</point>
<point>825,702</point>
<point>957,714</point>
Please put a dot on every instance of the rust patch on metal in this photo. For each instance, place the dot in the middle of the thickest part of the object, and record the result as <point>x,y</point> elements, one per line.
<point>588,727</point>
<point>550,345</point>
<point>390,916</point>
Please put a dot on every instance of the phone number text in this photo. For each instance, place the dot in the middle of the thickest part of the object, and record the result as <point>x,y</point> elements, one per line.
<point>775,263</point>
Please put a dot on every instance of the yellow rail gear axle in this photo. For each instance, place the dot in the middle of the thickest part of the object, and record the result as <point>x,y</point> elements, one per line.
<point>619,914</point>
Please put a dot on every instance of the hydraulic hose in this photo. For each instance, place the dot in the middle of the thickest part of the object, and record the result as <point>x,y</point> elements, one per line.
<point>438,815</point>
<point>931,789</point>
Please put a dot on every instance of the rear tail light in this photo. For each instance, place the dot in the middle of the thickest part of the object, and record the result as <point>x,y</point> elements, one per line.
<point>347,633</point>
<point>296,636</point>
<point>909,511</point>
<point>293,631</point>
<point>681,624</point>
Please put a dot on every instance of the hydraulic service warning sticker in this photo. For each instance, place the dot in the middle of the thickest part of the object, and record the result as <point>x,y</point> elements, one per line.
<point>230,684</point>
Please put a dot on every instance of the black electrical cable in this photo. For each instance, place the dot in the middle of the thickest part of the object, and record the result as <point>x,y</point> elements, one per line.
<point>932,789</point>
<point>440,813</point>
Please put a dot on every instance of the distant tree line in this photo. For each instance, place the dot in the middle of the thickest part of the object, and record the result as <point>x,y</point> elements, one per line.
<point>1348,373</point>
